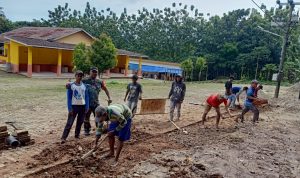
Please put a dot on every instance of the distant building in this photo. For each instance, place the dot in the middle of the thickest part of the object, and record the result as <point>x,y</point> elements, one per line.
<point>49,49</point>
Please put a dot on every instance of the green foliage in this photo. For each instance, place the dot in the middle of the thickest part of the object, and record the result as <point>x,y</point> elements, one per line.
<point>269,69</point>
<point>187,66</point>
<point>80,58</point>
<point>231,44</point>
<point>200,66</point>
<point>103,53</point>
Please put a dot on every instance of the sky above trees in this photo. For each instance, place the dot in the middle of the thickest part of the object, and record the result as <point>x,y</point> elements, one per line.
<point>17,10</point>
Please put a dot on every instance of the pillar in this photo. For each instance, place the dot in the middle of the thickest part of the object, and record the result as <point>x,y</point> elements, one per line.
<point>14,56</point>
<point>126,66</point>
<point>59,63</point>
<point>29,63</point>
<point>140,67</point>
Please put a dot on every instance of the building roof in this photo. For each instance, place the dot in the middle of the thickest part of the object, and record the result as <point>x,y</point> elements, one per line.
<point>131,54</point>
<point>42,33</point>
<point>41,43</point>
<point>45,37</point>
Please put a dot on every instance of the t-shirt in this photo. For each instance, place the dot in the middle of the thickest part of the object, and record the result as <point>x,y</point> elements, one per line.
<point>214,101</point>
<point>77,95</point>
<point>228,85</point>
<point>250,92</point>
<point>235,90</point>
<point>94,87</point>
<point>134,91</point>
<point>116,113</point>
<point>177,91</point>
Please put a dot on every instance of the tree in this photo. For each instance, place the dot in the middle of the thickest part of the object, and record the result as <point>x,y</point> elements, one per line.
<point>103,53</point>
<point>200,66</point>
<point>80,58</point>
<point>187,66</point>
<point>1,12</point>
<point>269,69</point>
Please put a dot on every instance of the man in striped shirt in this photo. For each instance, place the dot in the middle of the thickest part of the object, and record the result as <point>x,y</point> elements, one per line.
<point>119,116</point>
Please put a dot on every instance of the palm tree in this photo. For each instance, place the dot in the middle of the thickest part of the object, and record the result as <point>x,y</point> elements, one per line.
<point>200,66</point>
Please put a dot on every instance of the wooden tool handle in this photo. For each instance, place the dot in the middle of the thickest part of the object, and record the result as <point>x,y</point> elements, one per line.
<point>94,149</point>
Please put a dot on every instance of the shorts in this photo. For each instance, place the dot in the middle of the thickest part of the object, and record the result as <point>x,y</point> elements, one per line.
<point>125,133</point>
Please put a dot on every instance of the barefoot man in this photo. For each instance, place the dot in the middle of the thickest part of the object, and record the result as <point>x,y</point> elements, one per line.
<point>119,116</point>
<point>215,101</point>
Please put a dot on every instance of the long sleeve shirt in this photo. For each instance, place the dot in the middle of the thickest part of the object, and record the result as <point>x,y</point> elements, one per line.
<point>116,113</point>
<point>177,91</point>
<point>77,94</point>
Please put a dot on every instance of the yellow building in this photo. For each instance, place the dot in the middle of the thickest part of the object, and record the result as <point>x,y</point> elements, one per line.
<point>48,49</point>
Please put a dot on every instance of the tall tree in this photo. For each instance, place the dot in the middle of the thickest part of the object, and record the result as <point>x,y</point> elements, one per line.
<point>200,66</point>
<point>81,60</point>
<point>103,53</point>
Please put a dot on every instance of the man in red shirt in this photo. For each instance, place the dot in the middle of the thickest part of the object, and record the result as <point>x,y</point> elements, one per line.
<point>214,101</point>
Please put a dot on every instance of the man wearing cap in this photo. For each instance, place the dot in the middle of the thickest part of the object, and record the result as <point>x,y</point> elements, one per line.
<point>176,96</point>
<point>249,102</point>
<point>78,105</point>
<point>134,92</point>
<point>215,100</point>
<point>94,87</point>
<point>119,116</point>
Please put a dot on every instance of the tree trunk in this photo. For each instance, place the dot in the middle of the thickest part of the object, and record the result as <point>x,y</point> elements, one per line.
<point>199,75</point>
<point>206,73</point>
<point>256,69</point>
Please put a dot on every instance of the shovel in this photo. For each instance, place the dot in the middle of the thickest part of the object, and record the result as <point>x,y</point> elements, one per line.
<point>183,130</point>
<point>94,149</point>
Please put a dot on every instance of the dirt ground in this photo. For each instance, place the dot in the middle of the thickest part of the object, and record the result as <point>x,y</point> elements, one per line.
<point>268,149</point>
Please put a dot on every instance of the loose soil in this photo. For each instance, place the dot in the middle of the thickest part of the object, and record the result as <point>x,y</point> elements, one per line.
<point>269,148</point>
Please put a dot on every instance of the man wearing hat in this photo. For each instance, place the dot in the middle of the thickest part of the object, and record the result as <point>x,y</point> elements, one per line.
<point>78,105</point>
<point>176,96</point>
<point>249,102</point>
<point>134,92</point>
<point>94,87</point>
<point>119,116</point>
<point>215,100</point>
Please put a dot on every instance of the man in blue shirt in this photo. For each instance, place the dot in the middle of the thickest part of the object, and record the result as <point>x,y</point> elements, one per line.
<point>78,105</point>
<point>249,102</point>
<point>236,92</point>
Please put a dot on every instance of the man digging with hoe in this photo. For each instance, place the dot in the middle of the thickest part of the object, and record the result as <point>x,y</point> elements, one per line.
<point>119,116</point>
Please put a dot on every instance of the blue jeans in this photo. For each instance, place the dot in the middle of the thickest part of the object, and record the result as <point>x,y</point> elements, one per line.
<point>251,107</point>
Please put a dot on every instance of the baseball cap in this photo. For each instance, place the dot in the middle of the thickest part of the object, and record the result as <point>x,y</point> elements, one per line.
<point>99,112</point>
<point>78,72</point>
<point>94,69</point>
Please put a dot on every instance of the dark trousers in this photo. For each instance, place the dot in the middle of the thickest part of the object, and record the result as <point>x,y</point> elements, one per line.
<point>87,125</point>
<point>253,109</point>
<point>78,111</point>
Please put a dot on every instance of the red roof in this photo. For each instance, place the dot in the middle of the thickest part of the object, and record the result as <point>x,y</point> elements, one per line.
<point>43,33</point>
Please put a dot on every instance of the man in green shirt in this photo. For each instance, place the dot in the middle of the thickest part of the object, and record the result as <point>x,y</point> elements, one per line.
<point>94,87</point>
<point>119,116</point>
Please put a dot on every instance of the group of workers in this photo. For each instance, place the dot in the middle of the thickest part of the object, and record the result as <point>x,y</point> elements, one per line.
<point>115,119</point>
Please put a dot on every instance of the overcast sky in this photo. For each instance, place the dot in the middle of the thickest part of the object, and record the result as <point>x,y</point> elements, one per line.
<point>17,10</point>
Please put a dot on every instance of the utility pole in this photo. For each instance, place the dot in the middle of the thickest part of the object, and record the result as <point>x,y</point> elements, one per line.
<point>291,6</point>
